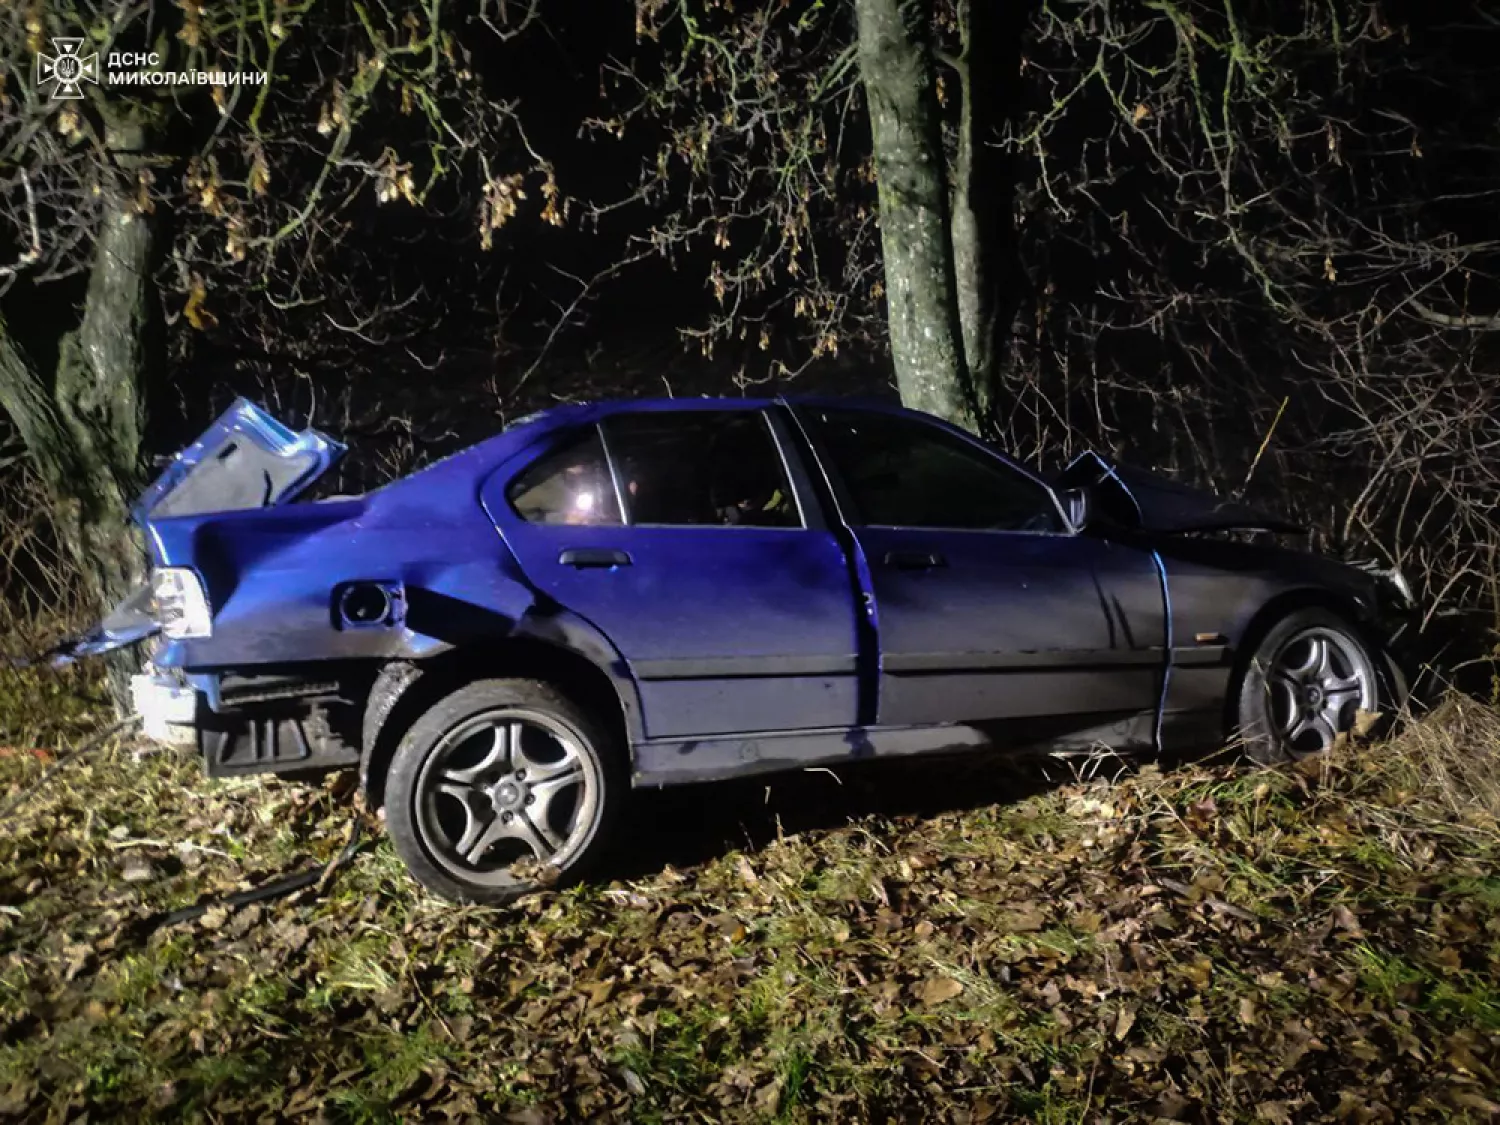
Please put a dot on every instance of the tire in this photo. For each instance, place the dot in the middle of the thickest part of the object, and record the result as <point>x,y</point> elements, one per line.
<point>1302,686</point>
<point>500,789</point>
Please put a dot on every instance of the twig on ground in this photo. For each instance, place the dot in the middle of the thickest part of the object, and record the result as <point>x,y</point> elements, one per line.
<point>316,877</point>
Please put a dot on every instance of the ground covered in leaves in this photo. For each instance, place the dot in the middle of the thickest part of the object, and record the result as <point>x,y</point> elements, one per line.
<point>928,942</point>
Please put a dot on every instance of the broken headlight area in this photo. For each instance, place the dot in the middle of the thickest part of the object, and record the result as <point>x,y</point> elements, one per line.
<point>1392,583</point>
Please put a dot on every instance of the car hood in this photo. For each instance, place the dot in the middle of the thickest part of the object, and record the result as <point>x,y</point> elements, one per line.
<point>246,459</point>
<point>1137,498</point>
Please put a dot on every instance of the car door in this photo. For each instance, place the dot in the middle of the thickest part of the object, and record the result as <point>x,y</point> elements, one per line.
<point>987,605</point>
<point>684,537</point>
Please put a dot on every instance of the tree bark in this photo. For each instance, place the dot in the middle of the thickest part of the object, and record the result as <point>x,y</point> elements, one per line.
<point>895,60</point>
<point>989,279</point>
<point>973,222</point>
<point>83,426</point>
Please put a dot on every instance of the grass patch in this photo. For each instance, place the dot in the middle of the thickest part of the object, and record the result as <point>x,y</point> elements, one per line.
<point>1196,942</point>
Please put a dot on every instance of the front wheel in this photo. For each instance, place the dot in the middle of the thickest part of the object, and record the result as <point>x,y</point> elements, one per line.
<point>501,788</point>
<point>1303,685</point>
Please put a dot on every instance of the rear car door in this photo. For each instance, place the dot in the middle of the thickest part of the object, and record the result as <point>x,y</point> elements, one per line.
<point>988,606</point>
<point>689,538</point>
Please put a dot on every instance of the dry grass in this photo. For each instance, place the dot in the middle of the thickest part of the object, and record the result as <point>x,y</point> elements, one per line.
<point>38,588</point>
<point>1446,766</point>
<point>41,602</point>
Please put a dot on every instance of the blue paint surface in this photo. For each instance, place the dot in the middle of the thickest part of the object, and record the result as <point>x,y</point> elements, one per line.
<point>719,630</point>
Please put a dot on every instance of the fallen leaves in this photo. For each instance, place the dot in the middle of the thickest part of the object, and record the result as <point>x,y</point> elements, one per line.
<point>747,871</point>
<point>936,990</point>
<point>1345,920</point>
<point>1179,944</point>
<point>1247,1011</point>
<point>1026,919</point>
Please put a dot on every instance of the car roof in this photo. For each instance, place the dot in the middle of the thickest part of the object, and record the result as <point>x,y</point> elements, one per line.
<point>536,430</point>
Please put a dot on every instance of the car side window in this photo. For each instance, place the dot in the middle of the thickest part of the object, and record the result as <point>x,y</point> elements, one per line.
<point>899,472</point>
<point>570,485</point>
<point>701,468</point>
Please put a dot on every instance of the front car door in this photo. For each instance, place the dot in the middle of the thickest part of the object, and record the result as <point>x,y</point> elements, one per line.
<point>987,605</point>
<point>689,538</point>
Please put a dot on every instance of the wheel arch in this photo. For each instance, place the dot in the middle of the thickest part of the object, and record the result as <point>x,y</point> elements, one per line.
<point>403,690</point>
<point>1287,602</point>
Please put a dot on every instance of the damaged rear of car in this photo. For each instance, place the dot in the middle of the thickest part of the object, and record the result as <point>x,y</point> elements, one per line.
<point>272,619</point>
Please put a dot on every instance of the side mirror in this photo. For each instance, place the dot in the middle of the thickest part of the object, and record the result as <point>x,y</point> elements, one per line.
<point>1075,504</point>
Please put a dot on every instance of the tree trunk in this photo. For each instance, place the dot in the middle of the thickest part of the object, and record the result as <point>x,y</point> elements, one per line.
<point>988,274</point>
<point>972,224</point>
<point>83,426</point>
<point>895,60</point>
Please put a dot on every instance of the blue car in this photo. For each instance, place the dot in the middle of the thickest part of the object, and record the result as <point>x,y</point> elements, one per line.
<point>648,593</point>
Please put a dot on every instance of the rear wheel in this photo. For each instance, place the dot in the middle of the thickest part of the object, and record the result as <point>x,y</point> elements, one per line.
<point>1303,685</point>
<point>502,788</point>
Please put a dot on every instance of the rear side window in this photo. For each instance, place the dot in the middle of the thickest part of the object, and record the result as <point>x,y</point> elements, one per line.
<point>701,468</point>
<point>570,485</point>
<point>900,472</point>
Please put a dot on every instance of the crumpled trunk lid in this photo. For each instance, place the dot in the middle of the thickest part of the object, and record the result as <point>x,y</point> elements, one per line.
<point>246,459</point>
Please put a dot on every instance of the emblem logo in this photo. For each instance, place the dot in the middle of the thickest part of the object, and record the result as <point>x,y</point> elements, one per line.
<point>68,69</point>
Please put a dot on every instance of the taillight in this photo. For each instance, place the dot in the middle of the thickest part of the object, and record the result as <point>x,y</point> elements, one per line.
<point>181,606</point>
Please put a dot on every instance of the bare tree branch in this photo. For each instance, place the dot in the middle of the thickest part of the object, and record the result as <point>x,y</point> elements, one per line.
<point>1445,320</point>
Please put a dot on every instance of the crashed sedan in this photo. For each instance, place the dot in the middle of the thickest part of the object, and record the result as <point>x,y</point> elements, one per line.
<point>647,593</point>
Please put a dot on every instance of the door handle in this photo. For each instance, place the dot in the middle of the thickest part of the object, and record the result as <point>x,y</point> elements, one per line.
<point>585,558</point>
<point>914,560</point>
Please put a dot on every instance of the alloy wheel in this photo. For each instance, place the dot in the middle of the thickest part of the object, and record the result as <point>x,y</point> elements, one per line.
<point>1317,681</point>
<point>504,791</point>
